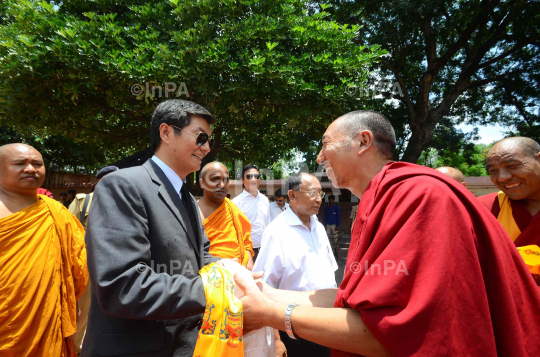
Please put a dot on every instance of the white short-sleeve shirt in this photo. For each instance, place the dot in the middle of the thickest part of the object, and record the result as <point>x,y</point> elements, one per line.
<point>257,211</point>
<point>294,257</point>
<point>275,210</point>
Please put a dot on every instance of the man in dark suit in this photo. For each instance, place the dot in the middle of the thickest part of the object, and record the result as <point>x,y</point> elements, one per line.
<point>146,245</point>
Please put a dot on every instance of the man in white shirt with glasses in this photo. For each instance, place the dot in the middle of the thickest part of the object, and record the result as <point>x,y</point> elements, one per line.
<point>296,254</point>
<point>253,204</point>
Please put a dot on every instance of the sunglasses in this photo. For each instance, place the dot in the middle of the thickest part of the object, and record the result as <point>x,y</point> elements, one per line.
<point>202,137</point>
<point>250,176</point>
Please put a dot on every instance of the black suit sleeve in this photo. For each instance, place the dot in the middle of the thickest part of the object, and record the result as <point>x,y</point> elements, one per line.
<point>119,259</point>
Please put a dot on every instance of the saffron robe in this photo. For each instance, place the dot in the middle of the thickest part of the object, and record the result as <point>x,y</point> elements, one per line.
<point>43,274</point>
<point>229,232</point>
<point>451,281</point>
<point>517,221</point>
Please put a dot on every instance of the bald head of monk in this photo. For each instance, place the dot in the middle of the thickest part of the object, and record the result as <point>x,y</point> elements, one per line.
<point>356,146</point>
<point>514,166</point>
<point>215,181</point>
<point>21,170</point>
<point>453,173</point>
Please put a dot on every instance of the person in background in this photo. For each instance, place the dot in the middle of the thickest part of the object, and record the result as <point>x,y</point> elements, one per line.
<point>296,254</point>
<point>63,198</point>
<point>70,197</point>
<point>430,271</point>
<point>80,207</point>
<point>43,260</point>
<point>254,204</point>
<point>353,215</point>
<point>227,228</point>
<point>453,173</point>
<point>332,216</point>
<point>279,205</point>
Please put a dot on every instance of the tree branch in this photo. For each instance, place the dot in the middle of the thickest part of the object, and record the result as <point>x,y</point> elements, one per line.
<point>514,49</point>
<point>407,98</point>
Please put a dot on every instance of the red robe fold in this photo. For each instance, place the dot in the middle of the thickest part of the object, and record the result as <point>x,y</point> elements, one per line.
<point>451,281</point>
<point>527,224</point>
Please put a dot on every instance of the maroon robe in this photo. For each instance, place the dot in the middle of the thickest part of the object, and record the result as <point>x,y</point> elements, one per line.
<point>527,224</point>
<point>465,290</point>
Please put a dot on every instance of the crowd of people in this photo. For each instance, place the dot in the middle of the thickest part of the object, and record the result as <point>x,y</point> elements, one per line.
<point>431,270</point>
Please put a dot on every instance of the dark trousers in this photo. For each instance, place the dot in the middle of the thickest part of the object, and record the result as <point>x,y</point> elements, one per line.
<point>303,348</point>
<point>256,251</point>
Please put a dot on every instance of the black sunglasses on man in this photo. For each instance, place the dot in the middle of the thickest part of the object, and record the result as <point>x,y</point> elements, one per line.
<point>202,137</point>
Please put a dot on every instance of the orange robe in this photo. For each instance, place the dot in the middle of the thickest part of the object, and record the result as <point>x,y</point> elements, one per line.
<point>229,232</point>
<point>43,274</point>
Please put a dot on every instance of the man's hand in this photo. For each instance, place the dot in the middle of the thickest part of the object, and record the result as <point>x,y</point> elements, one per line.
<point>255,305</point>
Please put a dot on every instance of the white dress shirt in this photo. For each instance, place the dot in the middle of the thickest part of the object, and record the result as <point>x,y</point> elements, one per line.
<point>257,211</point>
<point>275,210</point>
<point>294,257</point>
<point>173,177</point>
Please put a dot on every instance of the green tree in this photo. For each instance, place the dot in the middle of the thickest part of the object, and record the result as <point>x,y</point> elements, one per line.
<point>455,61</point>
<point>471,159</point>
<point>272,71</point>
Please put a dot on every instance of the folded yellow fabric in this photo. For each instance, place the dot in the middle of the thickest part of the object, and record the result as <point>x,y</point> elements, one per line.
<point>531,256</point>
<point>222,326</point>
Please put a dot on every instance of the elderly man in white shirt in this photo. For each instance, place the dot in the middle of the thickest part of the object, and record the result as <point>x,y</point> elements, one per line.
<point>254,205</point>
<point>279,206</point>
<point>296,254</point>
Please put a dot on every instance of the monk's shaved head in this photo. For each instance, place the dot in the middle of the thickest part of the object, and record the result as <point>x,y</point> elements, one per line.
<point>22,170</point>
<point>514,166</point>
<point>527,146</point>
<point>214,181</point>
<point>213,166</point>
<point>453,173</point>
<point>351,124</point>
<point>9,149</point>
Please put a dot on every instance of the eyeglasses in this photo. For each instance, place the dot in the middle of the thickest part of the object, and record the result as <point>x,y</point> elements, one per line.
<point>250,176</point>
<point>314,193</point>
<point>202,137</point>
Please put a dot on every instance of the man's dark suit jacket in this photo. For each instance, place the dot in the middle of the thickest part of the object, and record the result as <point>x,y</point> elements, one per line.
<point>144,260</point>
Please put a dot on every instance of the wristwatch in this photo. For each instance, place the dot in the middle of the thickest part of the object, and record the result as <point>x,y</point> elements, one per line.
<point>288,323</point>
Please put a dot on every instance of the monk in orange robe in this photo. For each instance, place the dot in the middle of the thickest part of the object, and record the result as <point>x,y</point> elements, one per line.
<point>227,228</point>
<point>43,260</point>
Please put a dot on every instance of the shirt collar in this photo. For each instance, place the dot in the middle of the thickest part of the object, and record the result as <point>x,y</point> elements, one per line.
<point>173,177</point>
<point>293,220</point>
<point>247,194</point>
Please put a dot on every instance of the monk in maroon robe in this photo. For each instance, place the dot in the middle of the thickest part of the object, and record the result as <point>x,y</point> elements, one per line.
<point>429,271</point>
<point>514,167</point>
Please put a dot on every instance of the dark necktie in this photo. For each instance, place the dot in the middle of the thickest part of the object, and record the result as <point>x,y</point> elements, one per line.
<point>186,200</point>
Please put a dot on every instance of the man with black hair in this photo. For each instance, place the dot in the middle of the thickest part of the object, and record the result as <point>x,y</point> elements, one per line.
<point>253,204</point>
<point>70,197</point>
<point>279,205</point>
<point>146,245</point>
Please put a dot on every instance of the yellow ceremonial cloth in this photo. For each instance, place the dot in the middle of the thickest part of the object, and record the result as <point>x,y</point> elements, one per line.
<point>505,218</point>
<point>229,232</point>
<point>531,256</point>
<point>222,325</point>
<point>43,274</point>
